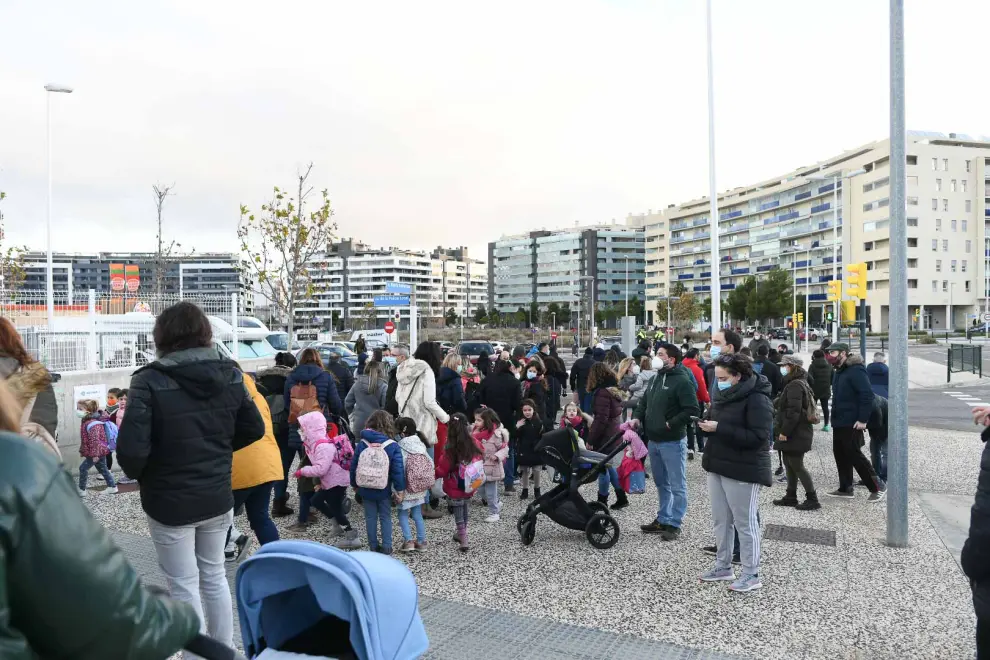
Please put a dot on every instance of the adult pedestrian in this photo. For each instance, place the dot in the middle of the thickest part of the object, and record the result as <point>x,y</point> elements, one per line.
<point>360,346</point>
<point>643,348</point>
<point>450,386</point>
<point>606,404</point>
<point>793,433</point>
<point>366,396</point>
<point>852,404</point>
<point>29,381</point>
<point>342,375</point>
<point>401,354</point>
<point>271,384</point>
<point>690,361</point>
<point>757,341</point>
<point>484,365</point>
<point>975,558</point>
<point>664,413</point>
<point>187,413</point>
<point>877,428</point>
<point>820,374</point>
<point>579,379</point>
<point>738,425</point>
<point>879,374</point>
<point>643,378</point>
<point>724,342</point>
<point>556,377</point>
<point>763,366</point>
<point>501,393</point>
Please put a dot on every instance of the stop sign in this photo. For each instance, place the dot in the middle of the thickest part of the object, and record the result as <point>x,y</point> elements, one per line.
<point>553,335</point>
<point>389,327</point>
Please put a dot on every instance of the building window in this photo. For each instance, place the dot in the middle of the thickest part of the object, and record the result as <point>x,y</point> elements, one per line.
<point>945,245</point>
<point>938,265</point>
<point>969,206</point>
<point>934,208</point>
<point>912,222</point>
<point>967,289</point>
<point>938,224</point>
<point>945,164</point>
<point>934,249</point>
<point>964,265</point>
<point>969,248</point>
<point>912,160</point>
<point>938,185</point>
<point>952,185</point>
<point>953,265</point>
<point>969,165</point>
<point>934,167</point>
<point>913,242</point>
<point>912,201</point>
<point>934,287</point>
<point>945,287</point>
<point>953,229</point>
<point>869,286</point>
<point>963,184</point>
<point>965,225</point>
<point>867,246</point>
<point>945,204</point>
<point>913,263</point>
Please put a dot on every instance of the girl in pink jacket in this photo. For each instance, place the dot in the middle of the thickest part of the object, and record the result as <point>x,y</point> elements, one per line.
<point>330,462</point>
<point>494,440</point>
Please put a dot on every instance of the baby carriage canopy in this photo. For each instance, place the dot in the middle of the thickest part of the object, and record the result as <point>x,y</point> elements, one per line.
<point>288,588</point>
<point>558,447</point>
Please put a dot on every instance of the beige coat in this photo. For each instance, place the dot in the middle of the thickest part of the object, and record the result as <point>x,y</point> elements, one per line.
<point>416,397</point>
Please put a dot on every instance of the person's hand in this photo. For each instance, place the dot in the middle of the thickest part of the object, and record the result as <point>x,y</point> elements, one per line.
<point>981,415</point>
<point>707,425</point>
<point>520,423</point>
<point>297,474</point>
<point>859,426</point>
<point>782,438</point>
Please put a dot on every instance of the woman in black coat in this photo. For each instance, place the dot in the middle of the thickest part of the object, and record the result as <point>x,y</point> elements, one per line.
<point>976,551</point>
<point>484,365</point>
<point>737,459</point>
<point>535,386</point>
<point>793,432</point>
<point>450,389</point>
<point>556,377</point>
<point>500,392</point>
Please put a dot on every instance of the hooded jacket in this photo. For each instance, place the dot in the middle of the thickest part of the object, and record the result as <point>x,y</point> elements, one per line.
<point>187,413</point>
<point>69,591</point>
<point>32,381</point>
<point>852,395</point>
<point>360,404</point>
<point>411,445</point>
<point>93,442</point>
<point>699,378</point>
<point>322,452</point>
<point>666,408</point>
<point>326,389</point>
<point>396,468</point>
<point>739,447</point>
<point>821,378</point>
<point>450,391</point>
<point>791,414</point>
<point>260,462</point>
<point>643,380</point>
<point>416,397</point>
<point>271,380</point>
<point>495,444</point>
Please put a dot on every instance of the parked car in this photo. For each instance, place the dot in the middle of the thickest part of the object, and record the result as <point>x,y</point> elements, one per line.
<point>499,346</point>
<point>750,330</point>
<point>446,347</point>
<point>347,356</point>
<point>473,348</point>
<point>815,333</point>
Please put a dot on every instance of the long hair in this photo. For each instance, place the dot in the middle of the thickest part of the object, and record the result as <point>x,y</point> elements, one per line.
<point>601,376</point>
<point>406,426</point>
<point>375,374</point>
<point>624,367</point>
<point>429,352</point>
<point>11,344</point>
<point>460,447</point>
<point>311,356</point>
<point>381,421</point>
<point>452,361</point>
<point>489,418</point>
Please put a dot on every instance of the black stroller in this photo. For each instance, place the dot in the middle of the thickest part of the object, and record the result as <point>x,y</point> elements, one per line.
<point>564,504</point>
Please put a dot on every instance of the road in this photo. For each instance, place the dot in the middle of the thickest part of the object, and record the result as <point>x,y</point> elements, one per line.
<point>946,408</point>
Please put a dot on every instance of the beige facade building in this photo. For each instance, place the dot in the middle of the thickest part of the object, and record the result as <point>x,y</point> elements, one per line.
<point>793,221</point>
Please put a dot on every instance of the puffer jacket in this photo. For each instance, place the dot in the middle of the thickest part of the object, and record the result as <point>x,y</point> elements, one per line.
<point>31,381</point>
<point>607,412</point>
<point>326,388</point>
<point>821,376</point>
<point>416,397</point>
<point>739,447</point>
<point>450,391</point>
<point>527,437</point>
<point>271,380</point>
<point>187,413</point>
<point>666,408</point>
<point>411,445</point>
<point>396,468</point>
<point>260,462</point>
<point>360,404</point>
<point>975,558</point>
<point>852,394</point>
<point>699,379</point>
<point>791,414</point>
<point>69,592</point>
<point>322,452</point>
<point>447,470</point>
<point>501,393</point>
<point>637,389</point>
<point>495,444</point>
<point>93,442</point>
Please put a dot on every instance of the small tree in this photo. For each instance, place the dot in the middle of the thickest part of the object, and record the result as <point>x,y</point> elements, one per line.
<point>521,315</point>
<point>283,245</point>
<point>12,272</point>
<point>774,297</point>
<point>494,316</point>
<point>635,308</point>
<point>534,314</point>
<point>370,315</point>
<point>164,254</point>
<point>661,312</point>
<point>685,310</point>
<point>450,318</point>
<point>738,298</point>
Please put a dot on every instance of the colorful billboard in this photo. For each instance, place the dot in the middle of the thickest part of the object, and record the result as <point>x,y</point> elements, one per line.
<point>133,276</point>
<point>116,277</point>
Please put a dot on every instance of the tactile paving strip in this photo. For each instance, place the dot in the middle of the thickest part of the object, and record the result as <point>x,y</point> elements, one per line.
<point>799,534</point>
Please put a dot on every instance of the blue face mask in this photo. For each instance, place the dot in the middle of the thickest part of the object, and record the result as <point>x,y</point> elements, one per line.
<point>531,375</point>
<point>724,385</point>
<point>715,351</point>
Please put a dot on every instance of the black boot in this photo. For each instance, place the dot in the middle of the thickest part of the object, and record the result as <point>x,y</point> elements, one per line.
<point>524,495</point>
<point>536,492</point>
<point>603,499</point>
<point>789,499</point>
<point>280,508</point>
<point>620,499</point>
<point>810,503</point>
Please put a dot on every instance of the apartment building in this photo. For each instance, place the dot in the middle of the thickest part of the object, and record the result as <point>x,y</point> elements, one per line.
<point>347,280</point>
<point>547,266</point>
<point>814,219</point>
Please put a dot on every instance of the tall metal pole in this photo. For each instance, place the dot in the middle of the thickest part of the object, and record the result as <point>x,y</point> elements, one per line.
<point>50,287</point>
<point>794,329</point>
<point>897,445</point>
<point>807,295</point>
<point>712,193</point>
<point>835,253</point>
<point>627,286</point>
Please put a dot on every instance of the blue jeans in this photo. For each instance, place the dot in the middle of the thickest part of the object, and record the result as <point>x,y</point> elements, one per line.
<point>101,467</point>
<point>376,511</point>
<point>417,516</point>
<point>610,474</point>
<point>668,462</point>
<point>257,503</point>
<point>878,456</point>
<point>510,468</point>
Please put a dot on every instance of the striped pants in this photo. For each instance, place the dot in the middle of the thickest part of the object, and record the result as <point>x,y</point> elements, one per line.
<point>734,509</point>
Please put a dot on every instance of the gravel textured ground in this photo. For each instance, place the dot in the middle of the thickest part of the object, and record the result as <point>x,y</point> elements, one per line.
<point>859,599</point>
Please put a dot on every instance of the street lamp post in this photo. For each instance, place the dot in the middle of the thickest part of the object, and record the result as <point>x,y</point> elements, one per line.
<point>627,285</point>
<point>50,290</point>
<point>716,283</point>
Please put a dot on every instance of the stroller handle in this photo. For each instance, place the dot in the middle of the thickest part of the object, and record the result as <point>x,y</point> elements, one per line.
<point>211,649</point>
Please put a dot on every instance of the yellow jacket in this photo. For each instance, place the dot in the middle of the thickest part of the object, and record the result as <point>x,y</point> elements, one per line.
<point>260,462</point>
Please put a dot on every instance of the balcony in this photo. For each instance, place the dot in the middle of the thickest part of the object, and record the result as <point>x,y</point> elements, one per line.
<point>703,287</point>
<point>800,196</point>
<point>706,273</point>
<point>770,205</point>
<point>815,297</point>
<point>684,276</point>
<point>700,262</point>
<point>740,271</point>
<point>821,207</point>
<point>761,269</point>
<point>826,188</point>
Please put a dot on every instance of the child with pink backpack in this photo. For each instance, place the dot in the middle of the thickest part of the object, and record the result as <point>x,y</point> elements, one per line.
<point>330,462</point>
<point>379,475</point>
<point>419,478</point>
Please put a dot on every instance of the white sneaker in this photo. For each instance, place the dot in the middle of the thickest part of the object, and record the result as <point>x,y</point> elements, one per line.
<point>82,493</point>
<point>494,518</point>
<point>111,491</point>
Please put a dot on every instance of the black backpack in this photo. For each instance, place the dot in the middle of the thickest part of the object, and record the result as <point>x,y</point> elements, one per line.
<point>280,414</point>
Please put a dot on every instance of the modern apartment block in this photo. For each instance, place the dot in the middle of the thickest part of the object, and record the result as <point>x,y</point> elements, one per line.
<point>347,280</point>
<point>206,274</point>
<point>791,222</point>
<point>548,266</point>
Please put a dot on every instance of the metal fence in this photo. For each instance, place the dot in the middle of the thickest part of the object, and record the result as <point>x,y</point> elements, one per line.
<point>964,357</point>
<point>93,330</point>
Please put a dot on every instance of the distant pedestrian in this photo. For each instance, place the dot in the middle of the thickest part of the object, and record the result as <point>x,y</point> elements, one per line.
<point>360,346</point>
<point>879,374</point>
<point>94,443</point>
<point>366,396</point>
<point>461,450</point>
<point>579,379</point>
<point>793,432</point>
<point>484,365</point>
<point>877,428</point>
<point>820,373</point>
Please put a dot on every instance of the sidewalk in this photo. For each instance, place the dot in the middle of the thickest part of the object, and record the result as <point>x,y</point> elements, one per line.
<point>921,372</point>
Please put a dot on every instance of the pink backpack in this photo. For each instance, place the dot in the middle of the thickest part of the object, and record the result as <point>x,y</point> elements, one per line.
<point>372,469</point>
<point>345,451</point>
<point>419,473</point>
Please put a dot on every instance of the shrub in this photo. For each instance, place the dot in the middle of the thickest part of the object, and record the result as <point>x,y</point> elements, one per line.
<point>927,339</point>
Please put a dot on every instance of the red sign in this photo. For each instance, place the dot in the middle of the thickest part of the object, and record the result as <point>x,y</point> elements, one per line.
<point>553,335</point>
<point>389,327</point>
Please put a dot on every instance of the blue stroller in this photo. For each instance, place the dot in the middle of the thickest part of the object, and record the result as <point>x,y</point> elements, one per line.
<point>305,597</point>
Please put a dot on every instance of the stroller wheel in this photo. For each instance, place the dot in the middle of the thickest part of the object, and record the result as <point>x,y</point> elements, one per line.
<point>598,507</point>
<point>602,531</point>
<point>520,522</point>
<point>528,531</point>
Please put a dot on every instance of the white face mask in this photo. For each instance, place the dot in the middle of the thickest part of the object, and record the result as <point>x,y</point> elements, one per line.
<point>635,370</point>
<point>657,364</point>
<point>784,371</point>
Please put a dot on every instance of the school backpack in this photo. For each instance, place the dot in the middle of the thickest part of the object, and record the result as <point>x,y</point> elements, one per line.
<point>345,452</point>
<point>37,432</point>
<point>372,469</point>
<point>280,415</point>
<point>419,473</point>
<point>109,431</point>
<point>302,399</point>
<point>471,476</point>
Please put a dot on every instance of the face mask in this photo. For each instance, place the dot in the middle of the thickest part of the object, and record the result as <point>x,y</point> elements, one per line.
<point>657,364</point>
<point>830,359</point>
<point>724,385</point>
<point>784,371</point>
<point>715,351</point>
<point>81,413</point>
<point>635,370</point>
<point>389,360</point>
<point>530,375</point>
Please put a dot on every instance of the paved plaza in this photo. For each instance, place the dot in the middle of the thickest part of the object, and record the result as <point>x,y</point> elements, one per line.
<point>642,599</point>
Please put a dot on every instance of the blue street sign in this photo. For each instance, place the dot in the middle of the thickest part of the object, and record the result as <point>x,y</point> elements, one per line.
<point>389,300</point>
<point>398,287</point>
<point>534,330</point>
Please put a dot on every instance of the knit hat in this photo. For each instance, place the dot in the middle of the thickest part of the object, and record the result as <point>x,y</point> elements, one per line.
<point>588,351</point>
<point>839,346</point>
<point>792,360</point>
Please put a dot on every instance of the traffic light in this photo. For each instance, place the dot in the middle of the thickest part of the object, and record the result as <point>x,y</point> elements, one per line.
<point>829,316</point>
<point>835,290</point>
<point>790,323</point>
<point>800,317</point>
<point>917,312</point>
<point>857,280</point>
<point>848,311</point>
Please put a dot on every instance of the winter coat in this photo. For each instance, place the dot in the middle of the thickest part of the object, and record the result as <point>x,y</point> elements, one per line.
<point>536,390</point>
<point>326,389</point>
<point>93,441</point>
<point>359,404</point>
<point>393,386</point>
<point>495,444</point>
<point>879,378</point>
<point>699,378</point>
<point>877,425</point>
<point>607,411</point>
<point>771,372</point>
<point>409,446</point>
<point>396,468</point>
<point>626,382</point>
<point>739,447</point>
<point>260,462</point>
<point>667,406</point>
<point>484,365</point>
<point>643,380</point>
<point>579,373</point>
<point>527,437</point>
<point>416,397</point>
<point>322,453</point>
<point>821,373</point>
<point>643,348</point>
<point>450,391</point>
<point>343,377</point>
<point>791,414</point>
<point>852,395</point>
<point>501,393</point>
<point>754,345</point>
<point>976,551</point>
<point>187,413</point>
<point>447,471</point>
<point>271,380</point>
<point>32,381</point>
<point>68,590</point>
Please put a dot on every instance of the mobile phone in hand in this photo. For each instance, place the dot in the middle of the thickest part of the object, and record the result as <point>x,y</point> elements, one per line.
<point>695,419</point>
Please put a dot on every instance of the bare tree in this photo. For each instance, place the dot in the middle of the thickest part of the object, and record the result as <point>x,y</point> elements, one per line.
<point>12,273</point>
<point>164,254</point>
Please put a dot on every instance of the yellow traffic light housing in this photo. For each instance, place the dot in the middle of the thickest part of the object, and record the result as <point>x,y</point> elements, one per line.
<point>800,317</point>
<point>848,312</point>
<point>856,280</point>
<point>835,290</point>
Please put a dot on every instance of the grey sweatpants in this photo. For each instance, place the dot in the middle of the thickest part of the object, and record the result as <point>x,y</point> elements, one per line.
<point>734,509</point>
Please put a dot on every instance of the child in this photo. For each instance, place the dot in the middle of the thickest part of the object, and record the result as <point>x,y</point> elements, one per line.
<point>576,419</point>
<point>413,446</point>
<point>379,431</point>
<point>529,430</point>
<point>461,449</point>
<point>632,474</point>
<point>111,410</point>
<point>327,460</point>
<point>494,440</point>
<point>94,443</point>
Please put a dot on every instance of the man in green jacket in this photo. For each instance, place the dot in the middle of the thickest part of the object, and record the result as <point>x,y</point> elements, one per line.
<point>69,592</point>
<point>664,412</point>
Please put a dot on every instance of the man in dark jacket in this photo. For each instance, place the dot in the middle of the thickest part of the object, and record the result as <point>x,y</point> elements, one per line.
<point>879,374</point>
<point>501,393</point>
<point>724,342</point>
<point>763,365</point>
<point>757,341</point>
<point>342,375</point>
<point>579,380</point>
<point>664,412</point>
<point>877,426</point>
<point>820,379</point>
<point>975,558</point>
<point>852,405</point>
<point>642,349</point>
<point>69,592</point>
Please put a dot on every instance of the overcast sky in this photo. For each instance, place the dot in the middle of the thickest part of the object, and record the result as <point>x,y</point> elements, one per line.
<point>445,122</point>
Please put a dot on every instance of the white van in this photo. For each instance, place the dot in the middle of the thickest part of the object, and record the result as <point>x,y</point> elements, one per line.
<point>374,338</point>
